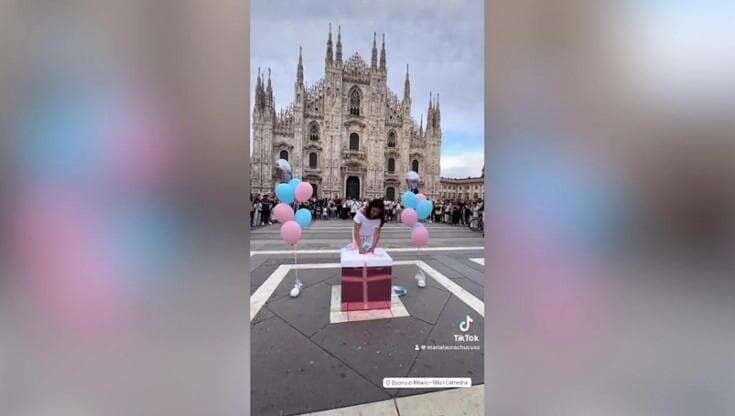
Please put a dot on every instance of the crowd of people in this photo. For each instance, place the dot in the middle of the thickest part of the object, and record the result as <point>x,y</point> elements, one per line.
<point>446,211</point>
<point>457,212</point>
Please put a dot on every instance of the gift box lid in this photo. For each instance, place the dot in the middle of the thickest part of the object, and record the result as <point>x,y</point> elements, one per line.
<point>351,258</point>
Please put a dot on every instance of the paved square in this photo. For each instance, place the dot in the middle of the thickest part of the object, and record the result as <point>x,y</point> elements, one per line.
<point>336,316</point>
<point>303,361</point>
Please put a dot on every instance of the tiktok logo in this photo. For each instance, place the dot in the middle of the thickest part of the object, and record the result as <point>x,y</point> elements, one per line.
<point>464,326</point>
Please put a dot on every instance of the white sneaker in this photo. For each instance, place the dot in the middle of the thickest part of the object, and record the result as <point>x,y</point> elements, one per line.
<point>296,288</point>
<point>421,279</point>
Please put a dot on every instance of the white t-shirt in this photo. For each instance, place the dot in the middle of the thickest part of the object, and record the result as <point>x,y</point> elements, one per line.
<point>367,226</point>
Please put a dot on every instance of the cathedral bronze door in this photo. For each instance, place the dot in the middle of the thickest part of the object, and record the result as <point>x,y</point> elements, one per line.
<point>353,187</point>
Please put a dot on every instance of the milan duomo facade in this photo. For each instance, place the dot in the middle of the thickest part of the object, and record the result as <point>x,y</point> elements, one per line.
<point>348,134</point>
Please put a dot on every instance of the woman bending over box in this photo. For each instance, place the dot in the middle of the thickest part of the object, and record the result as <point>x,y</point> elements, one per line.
<point>368,223</point>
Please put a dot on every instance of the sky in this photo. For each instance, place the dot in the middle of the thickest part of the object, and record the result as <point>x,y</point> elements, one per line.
<point>677,56</point>
<point>440,40</point>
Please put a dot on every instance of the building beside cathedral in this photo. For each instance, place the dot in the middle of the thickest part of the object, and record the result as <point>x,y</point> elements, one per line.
<point>347,134</point>
<point>470,188</point>
<point>462,189</point>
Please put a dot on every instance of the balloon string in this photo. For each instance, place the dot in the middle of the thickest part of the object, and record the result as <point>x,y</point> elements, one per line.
<point>296,270</point>
<point>418,258</point>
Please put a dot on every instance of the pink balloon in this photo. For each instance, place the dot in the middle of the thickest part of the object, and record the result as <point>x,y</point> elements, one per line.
<point>420,235</point>
<point>421,197</point>
<point>409,216</point>
<point>291,232</point>
<point>303,191</point>
<point>283,213</point>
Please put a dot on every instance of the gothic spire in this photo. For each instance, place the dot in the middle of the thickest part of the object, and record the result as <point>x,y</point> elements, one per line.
<point>407,87</point>
<point>339,44</point>
<point>300,69</point>
<point>374,58</point>
<point>421,127</point>
<point>430,113</point>
<point>330,56</point>
<point>269,90</point>
<point>382,54</point>
<point>438,114</point>
<point>259,91</point>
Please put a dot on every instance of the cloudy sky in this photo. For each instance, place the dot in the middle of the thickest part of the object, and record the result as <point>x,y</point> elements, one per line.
<point>441,40</point>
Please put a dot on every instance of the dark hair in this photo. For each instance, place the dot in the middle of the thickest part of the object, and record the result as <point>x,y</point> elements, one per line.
<point>379,204</point>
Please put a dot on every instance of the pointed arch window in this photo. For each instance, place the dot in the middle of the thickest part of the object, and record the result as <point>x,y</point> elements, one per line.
<point>312,160</point>
<point>284,155</point>
<point>354,142</point>
<point>392,139</point>
<point>391,165</point>
<point>314,131</point>
<point>355,102</point>
<point>415,166</point>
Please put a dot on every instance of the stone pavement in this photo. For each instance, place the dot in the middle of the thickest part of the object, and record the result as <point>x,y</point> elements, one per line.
<point>301,363</point>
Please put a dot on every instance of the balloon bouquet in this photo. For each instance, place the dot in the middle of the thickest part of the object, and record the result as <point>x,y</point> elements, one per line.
<point>416,207</point>
<point>289,192</point>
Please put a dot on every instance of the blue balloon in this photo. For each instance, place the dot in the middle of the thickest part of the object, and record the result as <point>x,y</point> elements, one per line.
<point>284,192</point>
<point>294,182</point>
<point>303,218</point>
<point>423,209</point>
<point>409,199</point>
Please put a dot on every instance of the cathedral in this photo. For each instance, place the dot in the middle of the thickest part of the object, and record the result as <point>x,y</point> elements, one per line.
<point>347,134</point>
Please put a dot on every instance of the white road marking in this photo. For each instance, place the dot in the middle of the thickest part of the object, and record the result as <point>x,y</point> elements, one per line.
<point>383,408</point>
<point>261,295</point>
<point>348,227</point>
<point>397,310</point>
<point>314,266</point>
<point>390,250</point>
<point>479,260</point>
<point>316,225</point>
<point>455,289</point>
<point>459,401</point>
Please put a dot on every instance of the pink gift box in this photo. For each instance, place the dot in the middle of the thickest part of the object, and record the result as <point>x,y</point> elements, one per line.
<point>366,280</point>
